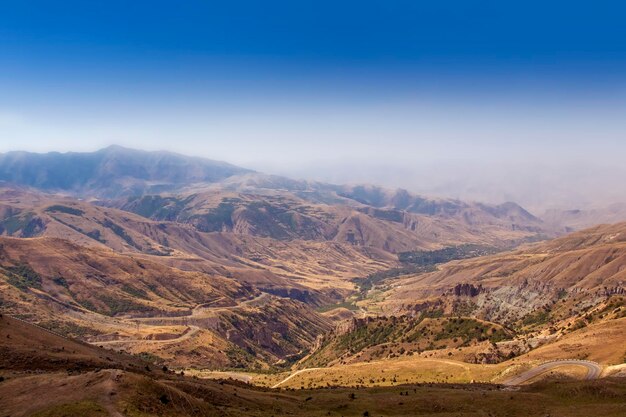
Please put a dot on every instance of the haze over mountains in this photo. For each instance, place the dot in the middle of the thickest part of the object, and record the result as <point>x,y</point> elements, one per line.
<point>117,172</point>
<point>538,181</point>
<point>203,266</point>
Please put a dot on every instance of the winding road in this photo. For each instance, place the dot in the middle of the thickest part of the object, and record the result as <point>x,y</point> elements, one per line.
<point>593,370</point>
<point>201,311</point>
<point>191,331</point>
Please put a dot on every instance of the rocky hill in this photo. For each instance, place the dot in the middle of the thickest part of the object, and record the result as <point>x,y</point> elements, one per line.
<point>577,271</point>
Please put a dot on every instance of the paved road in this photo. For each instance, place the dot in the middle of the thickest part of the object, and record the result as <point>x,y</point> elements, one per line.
<point>593,370</point>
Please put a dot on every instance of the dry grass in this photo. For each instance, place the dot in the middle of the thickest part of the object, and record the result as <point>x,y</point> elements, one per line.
<point>604,342</point>
<point>72,379</point>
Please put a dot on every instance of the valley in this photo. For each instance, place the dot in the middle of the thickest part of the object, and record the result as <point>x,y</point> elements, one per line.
<point>292,289</point>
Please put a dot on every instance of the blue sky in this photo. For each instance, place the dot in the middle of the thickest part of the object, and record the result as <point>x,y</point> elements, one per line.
<point>339,90</point>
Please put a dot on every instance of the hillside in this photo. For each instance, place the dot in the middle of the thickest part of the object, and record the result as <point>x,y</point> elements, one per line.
<point>375,338</point>
<point>214,196</point>
<point>277,239</point>
<point>99,295</point>
<point>63,377</point>
<point>176,274</point>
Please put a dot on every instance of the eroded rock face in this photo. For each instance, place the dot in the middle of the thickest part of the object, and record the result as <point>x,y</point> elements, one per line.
<point>606,291</point>
<point>280,328</point>
<point>467,290</point>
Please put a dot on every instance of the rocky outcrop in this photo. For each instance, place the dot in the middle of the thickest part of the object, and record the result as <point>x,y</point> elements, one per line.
<point>467,290</point>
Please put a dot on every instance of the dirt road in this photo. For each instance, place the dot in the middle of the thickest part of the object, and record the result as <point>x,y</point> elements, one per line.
<point>593,370</point>
<point>200,312</point>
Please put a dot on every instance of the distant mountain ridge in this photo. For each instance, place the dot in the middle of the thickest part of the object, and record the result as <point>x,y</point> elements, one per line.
<point>110,172</point>
<point>576,219</point>
<point>216,196</point>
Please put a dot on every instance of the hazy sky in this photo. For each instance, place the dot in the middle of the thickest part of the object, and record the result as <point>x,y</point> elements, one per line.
<point>486,100</point>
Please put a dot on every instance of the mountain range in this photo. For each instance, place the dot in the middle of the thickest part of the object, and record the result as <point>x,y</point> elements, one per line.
<point>198,264</point>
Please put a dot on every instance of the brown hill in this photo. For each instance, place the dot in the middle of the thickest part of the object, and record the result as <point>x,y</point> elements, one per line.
<point>488,309</point>
<point>258,204</point>
<point>282,266</point>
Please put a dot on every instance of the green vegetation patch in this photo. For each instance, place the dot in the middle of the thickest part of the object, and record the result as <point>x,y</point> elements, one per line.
<point>270,220</point>
<point>69,329</point>
<point>150,357</point>
<point>57,208</point>
<point>60,281</point>
<point>536,318</point>
<point>134,291</point>
<point>22,276</point>
<point>94,234</point>
<point>345,304</point>
<point>434,257</point>
<point>370,281</point>
<point>404,335</point>
<point>366,336</point>
<point>470,329</point>
<point>119,231</point>
<point>388,215</point>
<point>117,305</point>
<point>217,218</point>
<point>239,358</point>
<point>158,207</point>
<point>464,308</point>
